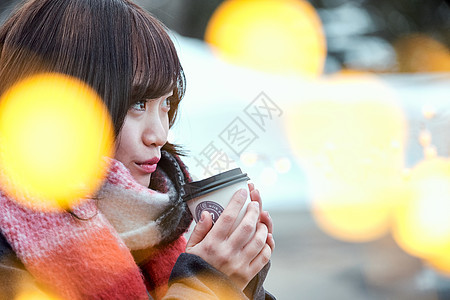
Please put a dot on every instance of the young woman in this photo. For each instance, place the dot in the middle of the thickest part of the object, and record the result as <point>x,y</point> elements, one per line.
<point>127,242</point>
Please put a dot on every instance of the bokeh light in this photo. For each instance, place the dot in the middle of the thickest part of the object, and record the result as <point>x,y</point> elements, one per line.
<point>429,152</point>
<point>54,134</point>
<point>352,150</point>
<point>428,111</point>
<point>34,295</point>
<point>249,158</point>
<point>419,53</point>
<point>422,224</point>
<point>425,138</point>
<point>356,213</point>
<point>283,165</point>
<point>280,36</point>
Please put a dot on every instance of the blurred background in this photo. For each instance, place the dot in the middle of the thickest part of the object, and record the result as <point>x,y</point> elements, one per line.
<point>339,111</point>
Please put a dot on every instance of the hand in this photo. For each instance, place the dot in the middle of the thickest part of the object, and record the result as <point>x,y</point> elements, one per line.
<point>239,254</point>
<point>264,216</point>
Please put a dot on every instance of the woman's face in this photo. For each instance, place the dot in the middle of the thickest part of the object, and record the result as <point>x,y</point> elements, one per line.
<point>142,136</point>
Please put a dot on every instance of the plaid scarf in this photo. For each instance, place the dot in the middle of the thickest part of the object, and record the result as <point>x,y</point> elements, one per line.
<point>88,256</point>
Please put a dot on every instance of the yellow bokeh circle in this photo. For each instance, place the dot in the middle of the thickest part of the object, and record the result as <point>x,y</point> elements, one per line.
<point>54,134</point>
<point>351,148</point>
<point>422,226</point>
<point>278,36</point>
<point>357,213</point>
<point>419,53</point>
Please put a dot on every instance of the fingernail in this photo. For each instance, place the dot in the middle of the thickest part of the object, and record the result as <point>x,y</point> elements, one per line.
<point>243,193</point>
<point>255,204</point>
<point>202,218</point>
<point>268,215</point>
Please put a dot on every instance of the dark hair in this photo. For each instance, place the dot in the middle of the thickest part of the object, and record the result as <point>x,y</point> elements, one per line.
<point>115,46</point>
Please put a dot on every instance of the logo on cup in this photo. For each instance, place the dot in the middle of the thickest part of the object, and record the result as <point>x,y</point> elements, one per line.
<point>213,208</point>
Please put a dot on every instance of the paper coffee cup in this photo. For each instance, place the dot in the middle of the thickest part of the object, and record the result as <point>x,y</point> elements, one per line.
<point>213,194</point>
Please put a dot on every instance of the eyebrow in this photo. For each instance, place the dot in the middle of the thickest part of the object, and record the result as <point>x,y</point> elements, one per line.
<point>165,95</point>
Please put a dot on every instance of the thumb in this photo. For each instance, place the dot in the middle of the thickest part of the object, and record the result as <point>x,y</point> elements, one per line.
<point>203,226</point>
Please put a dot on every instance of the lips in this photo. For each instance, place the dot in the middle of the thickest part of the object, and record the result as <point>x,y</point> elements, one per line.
<point>148,166</point>
<point>152,161</point>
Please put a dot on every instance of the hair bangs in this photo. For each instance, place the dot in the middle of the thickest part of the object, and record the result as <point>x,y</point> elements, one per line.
<point>156,67</point>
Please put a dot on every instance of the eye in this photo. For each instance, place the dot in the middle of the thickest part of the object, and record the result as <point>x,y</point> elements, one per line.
<point>166,104</point>
<point>140,105</point>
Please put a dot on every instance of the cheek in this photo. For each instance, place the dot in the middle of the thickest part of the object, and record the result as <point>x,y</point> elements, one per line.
<point>167,129</point>
<point>165,123</point>
<point>120,149</point>
<point>123,142</point>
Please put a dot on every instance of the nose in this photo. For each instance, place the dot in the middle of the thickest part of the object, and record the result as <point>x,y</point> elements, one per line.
<point>155,131</point>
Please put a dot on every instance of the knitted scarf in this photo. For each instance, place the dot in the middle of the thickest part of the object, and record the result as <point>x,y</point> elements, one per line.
<point>88,256</point>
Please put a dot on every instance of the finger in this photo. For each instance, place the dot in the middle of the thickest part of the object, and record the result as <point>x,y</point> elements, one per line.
<point>255,196</point>
<point>270,241</point>
<point>257,242</point>
<point>251,187</point>
<point>201,229</point>
<point>228,217</point>
<point>245,231</point>
<point>267,220</point>
<point>260,260</point>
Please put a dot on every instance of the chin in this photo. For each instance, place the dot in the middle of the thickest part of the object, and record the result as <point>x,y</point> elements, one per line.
<point>143,180</point>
